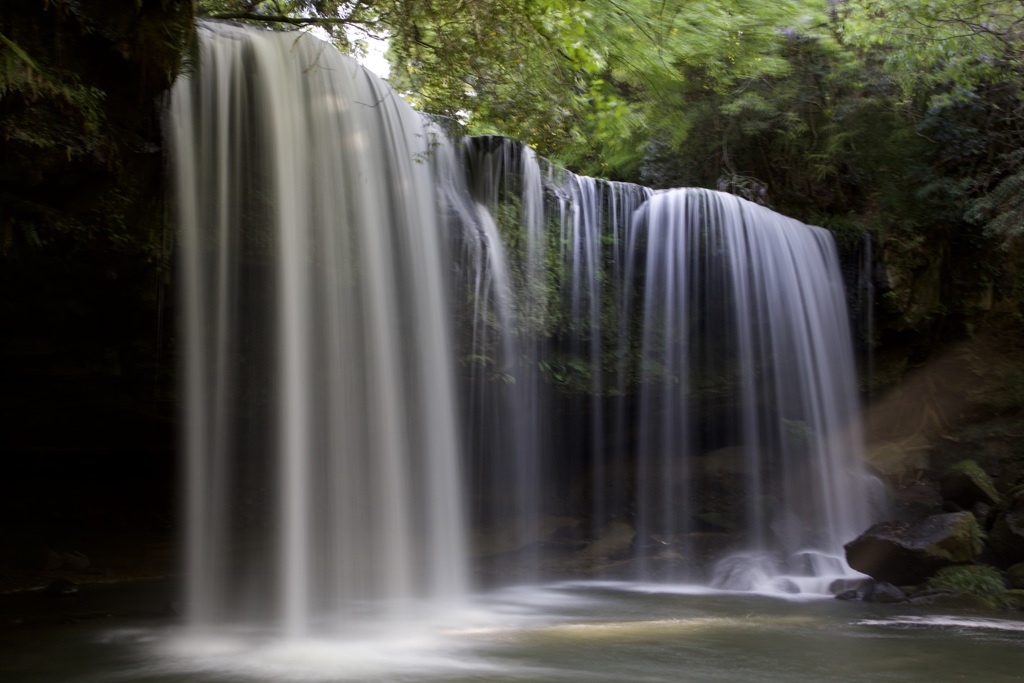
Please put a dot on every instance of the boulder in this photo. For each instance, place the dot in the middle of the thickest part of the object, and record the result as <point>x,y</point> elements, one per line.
<point>966,484</point>
<point>881,591</point>
<point>906,554</point>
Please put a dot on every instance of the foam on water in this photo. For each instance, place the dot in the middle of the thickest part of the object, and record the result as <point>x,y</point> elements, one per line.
<point>947,621</point>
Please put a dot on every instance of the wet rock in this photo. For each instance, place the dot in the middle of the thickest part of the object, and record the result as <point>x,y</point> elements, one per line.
<point>784,585</point>
<point>845,585</point>
<point>883,592</point>
<point>873,591</point>
<point>745,572</point>
<point>907,554</point>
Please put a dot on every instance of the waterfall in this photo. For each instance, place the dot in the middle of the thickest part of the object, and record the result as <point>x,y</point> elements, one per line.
<point>393,341</point>
<point>549,248</point>
<point>323,461</point>
<point>689,373</point>
<point>748,412</point>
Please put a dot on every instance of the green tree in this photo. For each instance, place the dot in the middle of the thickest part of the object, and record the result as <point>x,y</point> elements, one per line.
<point>959,65</point>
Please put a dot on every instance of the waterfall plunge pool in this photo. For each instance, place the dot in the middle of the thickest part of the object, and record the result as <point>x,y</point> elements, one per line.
<point>557,632</point>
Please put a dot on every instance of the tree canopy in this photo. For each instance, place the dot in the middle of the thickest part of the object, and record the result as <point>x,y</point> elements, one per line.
<point>900,118</point>
<point>895,117</point>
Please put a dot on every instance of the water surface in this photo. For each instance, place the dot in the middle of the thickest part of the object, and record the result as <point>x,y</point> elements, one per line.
<point>563,632</point>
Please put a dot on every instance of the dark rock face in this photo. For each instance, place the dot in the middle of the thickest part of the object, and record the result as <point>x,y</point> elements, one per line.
<point>1015,575</point>
<point>48,559</point>
<point>966,484</point>
<point>1006,538</point>
<point>61,588</point>
<point>904,554</point>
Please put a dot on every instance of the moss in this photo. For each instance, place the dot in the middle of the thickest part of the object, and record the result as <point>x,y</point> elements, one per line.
<point>981,581</point>
<point>978,478</point>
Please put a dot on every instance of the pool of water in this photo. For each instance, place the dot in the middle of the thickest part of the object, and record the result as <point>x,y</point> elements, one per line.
<point>561,632</point>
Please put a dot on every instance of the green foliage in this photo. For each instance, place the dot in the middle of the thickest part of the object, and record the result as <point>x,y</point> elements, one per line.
<point>349,25</point>
<point>1001,211</point>
<point>512,67</point>
<point>79,121</point>
<point>959,42</point>
<point>959,68</point>
<point>597,78</point>
<point>981,581</point>
<point>891,112</point>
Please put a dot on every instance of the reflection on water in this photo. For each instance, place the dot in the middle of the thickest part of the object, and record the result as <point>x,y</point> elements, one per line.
<point>564,632</point>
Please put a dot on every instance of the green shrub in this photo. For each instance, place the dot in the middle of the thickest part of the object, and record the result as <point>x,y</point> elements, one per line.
<point>978,580</point>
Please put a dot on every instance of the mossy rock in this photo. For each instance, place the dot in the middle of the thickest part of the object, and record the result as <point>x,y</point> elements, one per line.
<point>965,483</point>
<point>908,554</point>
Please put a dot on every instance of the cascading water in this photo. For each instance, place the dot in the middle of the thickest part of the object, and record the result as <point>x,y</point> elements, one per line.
<point>322,447</point>
<point>676,364</point>
<point>748,415</point>
<point>697,373</point>
<point>543,261</point>
<point>506,300</point>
